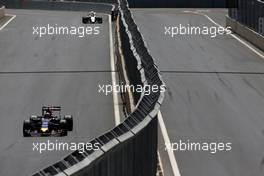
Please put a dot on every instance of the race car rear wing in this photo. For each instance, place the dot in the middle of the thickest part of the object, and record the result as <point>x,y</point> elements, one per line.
<point>51,108</point>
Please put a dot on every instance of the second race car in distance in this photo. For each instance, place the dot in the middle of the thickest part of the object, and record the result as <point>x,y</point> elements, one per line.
<point>50,123</point>
<point>91,18</point>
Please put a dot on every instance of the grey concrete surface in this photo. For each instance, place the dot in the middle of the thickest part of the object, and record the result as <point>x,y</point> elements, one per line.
<point>203,106</point>
<point>24,89</point>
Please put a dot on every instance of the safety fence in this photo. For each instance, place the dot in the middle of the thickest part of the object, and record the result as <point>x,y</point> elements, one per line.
<point>129,149</point>
<point>249,13</point>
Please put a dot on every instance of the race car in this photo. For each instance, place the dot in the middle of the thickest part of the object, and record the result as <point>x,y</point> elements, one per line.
<point>91,18</point>
<point>50,123</point>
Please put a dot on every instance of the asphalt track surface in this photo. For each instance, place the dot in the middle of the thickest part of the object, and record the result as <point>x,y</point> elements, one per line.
<point>29,79</point>
<point>204,106</point>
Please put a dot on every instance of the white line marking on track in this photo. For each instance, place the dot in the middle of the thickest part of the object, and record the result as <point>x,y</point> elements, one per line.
<point>250,47</point>
<point>113,74</point>
<point>160,162</point>
<point>4,25</point>
<point>233,35</point>
<point>172,158</point>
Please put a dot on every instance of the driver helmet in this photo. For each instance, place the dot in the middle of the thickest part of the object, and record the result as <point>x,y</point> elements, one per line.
<point>48,113</point>
<point>92,13</point>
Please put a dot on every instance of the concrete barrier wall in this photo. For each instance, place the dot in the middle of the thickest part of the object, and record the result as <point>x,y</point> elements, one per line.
<point>245,32</point>
<point>2,12</point>
<point>57,5</point>
<point>129,149</point>
<point>182,3</point>
<point>249,13</point>
<point>99,1</point>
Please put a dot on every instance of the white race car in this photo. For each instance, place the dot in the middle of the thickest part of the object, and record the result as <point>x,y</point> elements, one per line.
<point>91,18</point>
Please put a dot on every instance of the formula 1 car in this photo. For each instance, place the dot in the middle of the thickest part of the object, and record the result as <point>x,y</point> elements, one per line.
<point>91,18</point>
<point>48,124</point>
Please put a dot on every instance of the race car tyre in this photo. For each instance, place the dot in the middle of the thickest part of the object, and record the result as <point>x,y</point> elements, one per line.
<point>69,120</point>
<point>85,20</point>
<point>26,127</point>
<point>64,133</point>
<point>63,124</point>
<point>34,118</point>
<point>26,134</point>
<point>100,20</point>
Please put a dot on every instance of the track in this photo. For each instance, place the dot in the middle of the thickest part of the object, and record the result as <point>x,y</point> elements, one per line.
<point>57,70</point>
<point>215,93</point>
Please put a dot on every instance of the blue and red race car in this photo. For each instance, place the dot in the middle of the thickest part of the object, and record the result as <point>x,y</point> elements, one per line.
<point>50,123</point>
